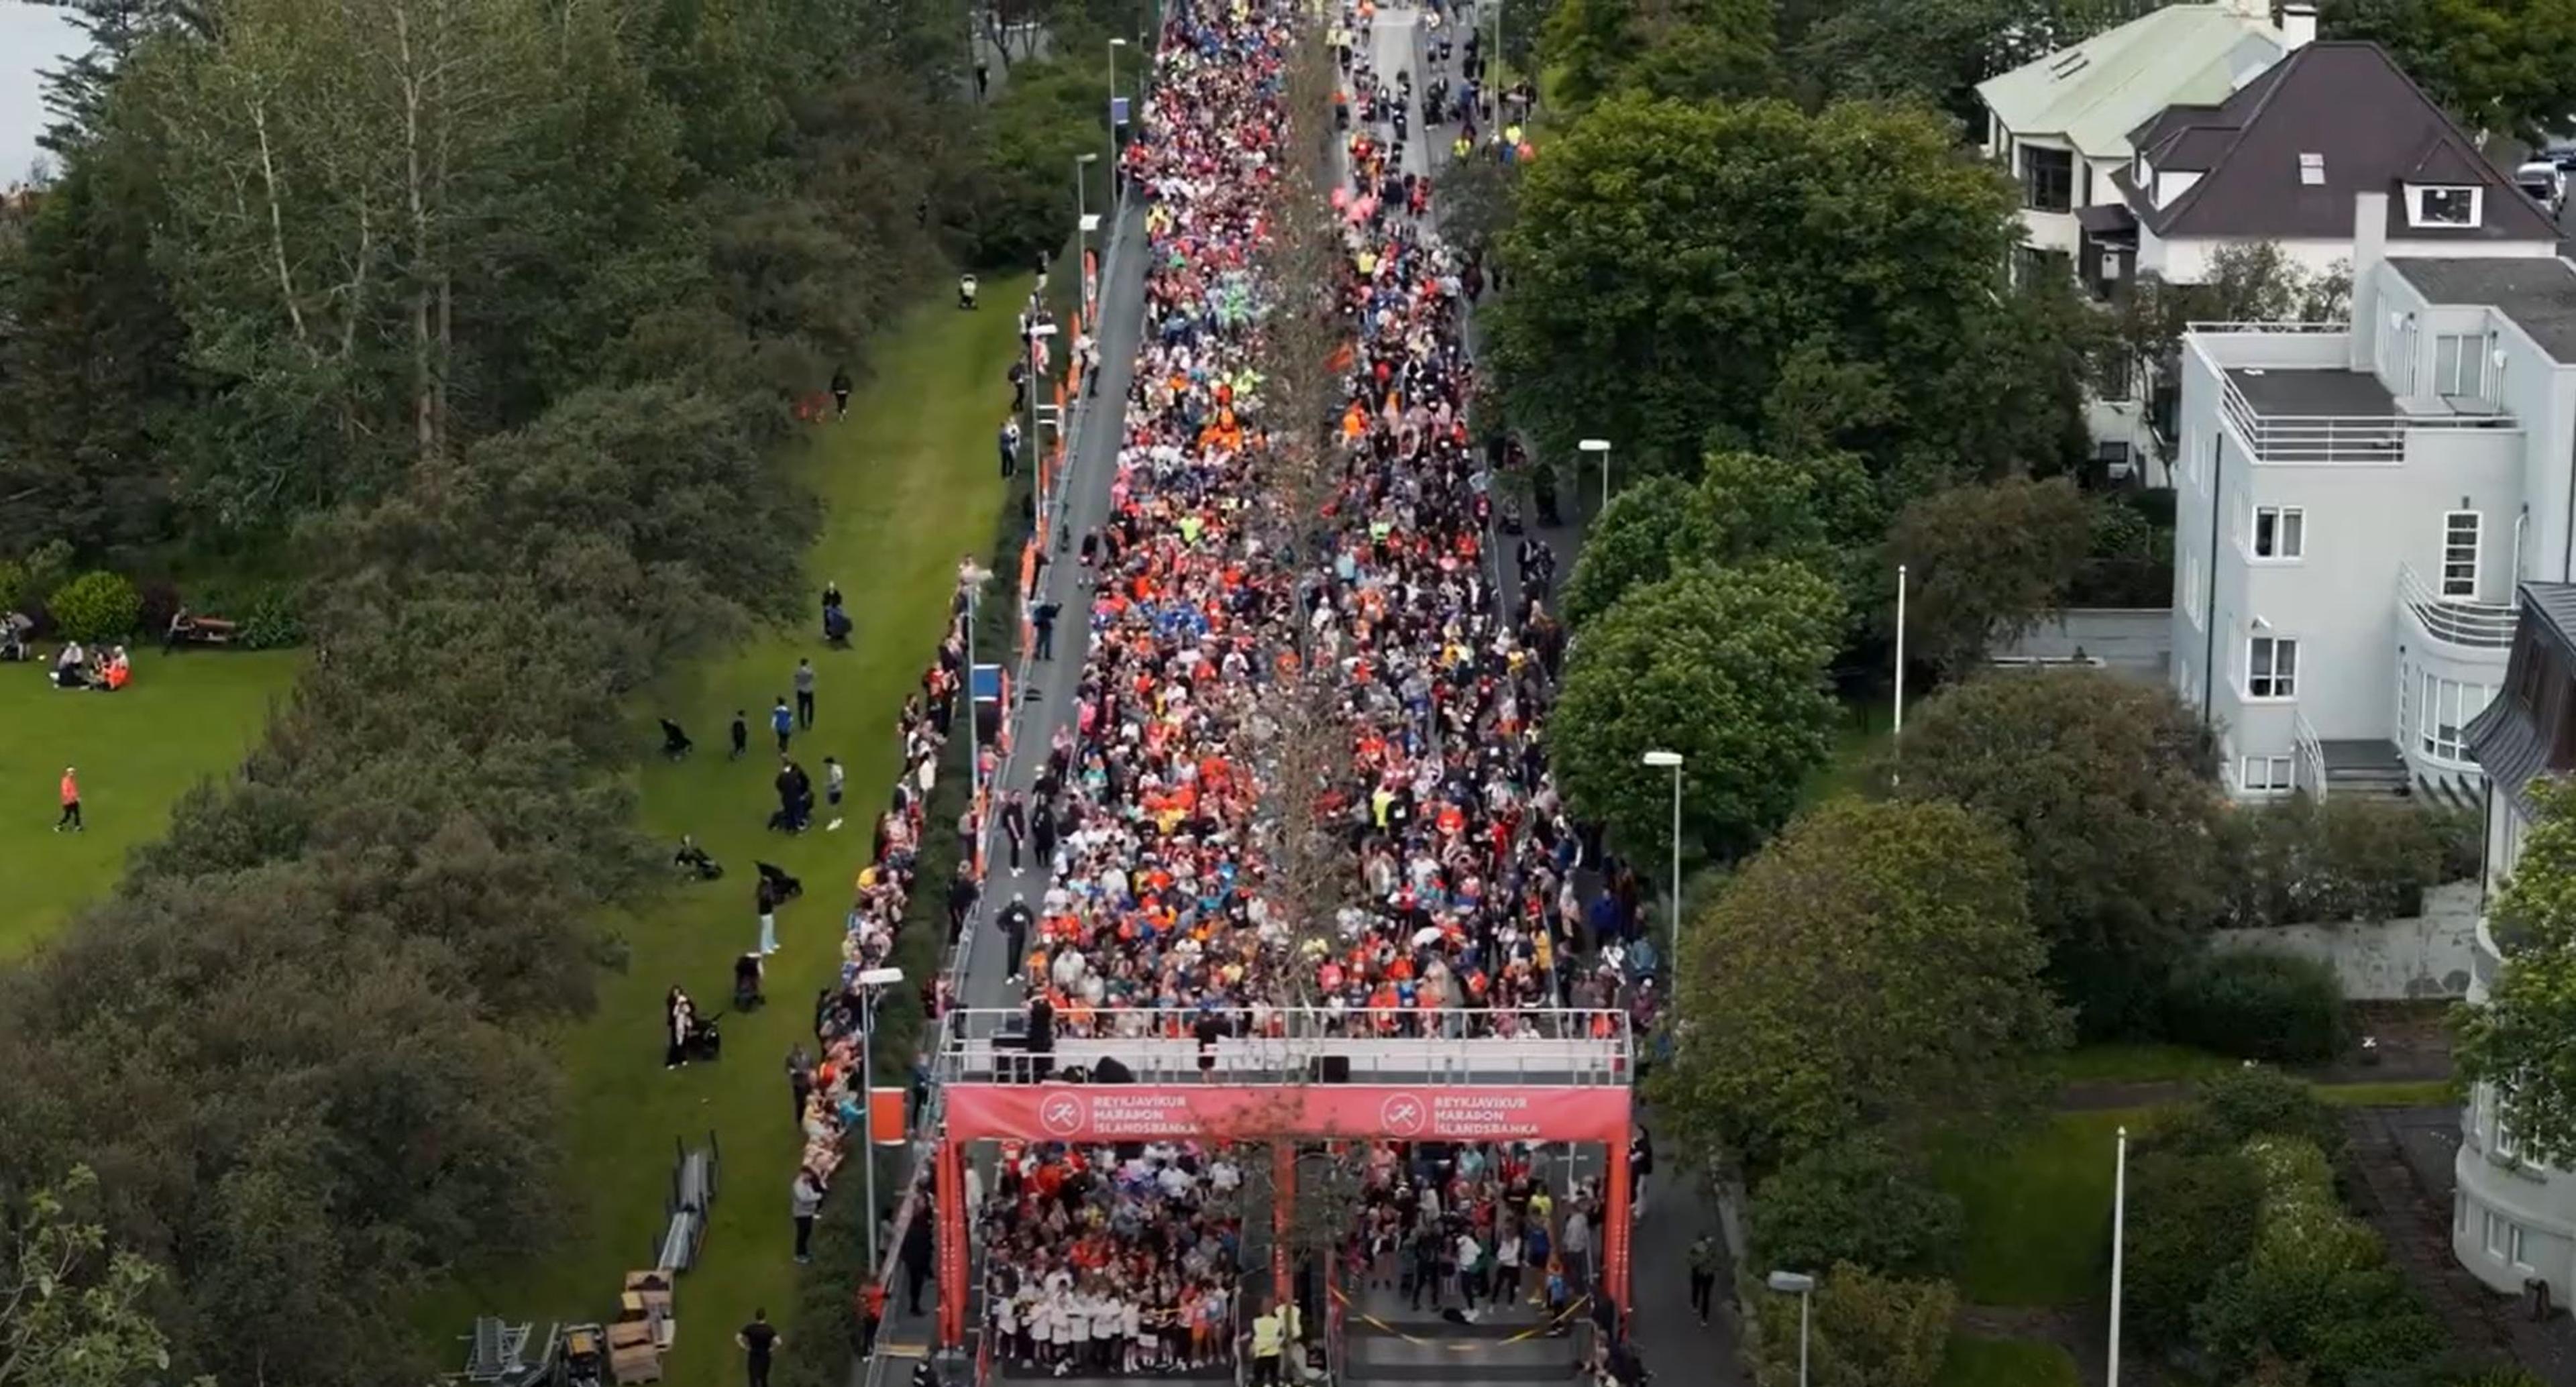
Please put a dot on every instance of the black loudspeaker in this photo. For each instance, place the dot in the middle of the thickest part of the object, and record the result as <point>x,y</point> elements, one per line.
<point>1110,1071</point>
<point>1329,1069</point>
<point>988,722</point>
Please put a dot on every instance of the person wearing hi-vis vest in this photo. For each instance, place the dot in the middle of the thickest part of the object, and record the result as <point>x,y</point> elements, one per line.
<point>1269,1334</point>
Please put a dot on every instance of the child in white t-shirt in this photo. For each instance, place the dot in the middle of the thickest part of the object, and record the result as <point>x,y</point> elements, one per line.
<point>1140,1343</point>
<point>1108,1322</point>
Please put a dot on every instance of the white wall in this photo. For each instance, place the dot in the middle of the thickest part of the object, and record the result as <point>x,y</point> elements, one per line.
<point>2418,957</point>
<point>2187,261</point>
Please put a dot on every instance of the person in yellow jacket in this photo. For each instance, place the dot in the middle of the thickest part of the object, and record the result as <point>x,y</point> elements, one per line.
<point>1269,1336</point>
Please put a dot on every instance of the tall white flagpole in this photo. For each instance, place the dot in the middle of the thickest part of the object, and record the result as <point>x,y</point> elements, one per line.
<point>2119,1237</point>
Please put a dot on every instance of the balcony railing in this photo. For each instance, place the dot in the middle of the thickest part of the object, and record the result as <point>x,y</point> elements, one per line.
<point>2369,440</point>
<point>2310,777</point>
<point>2459,621</point>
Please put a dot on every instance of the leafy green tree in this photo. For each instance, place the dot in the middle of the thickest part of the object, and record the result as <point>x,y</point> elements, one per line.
<point>1744,508</point>
<point>2107,788</point>
<point>1985,563</point>
<point>2494,64</point>
<point>1724,666</point>
<point>2235,1106</point>
<point>1918,907</point>
<point>1779,281</point>
<point>1856,1201</point>
<point>73,1310</point>
<point>2516,1040</point>
<point>1865,1330</point>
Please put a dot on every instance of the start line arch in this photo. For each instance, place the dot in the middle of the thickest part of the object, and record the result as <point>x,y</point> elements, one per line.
<point>1281,1114</point>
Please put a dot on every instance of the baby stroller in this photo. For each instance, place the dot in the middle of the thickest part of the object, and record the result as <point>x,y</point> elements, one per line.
<point>836,628</point>
<point>675,743</point>
<point>784,886</point>
<point>746,983</point>
<point>705,1041</point>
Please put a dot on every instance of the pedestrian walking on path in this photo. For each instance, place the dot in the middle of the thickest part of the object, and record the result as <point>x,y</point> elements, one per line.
<point>1043,619</point>
<point>1703,1274</point>
<point>71,817</point>
<point>758,1340</point>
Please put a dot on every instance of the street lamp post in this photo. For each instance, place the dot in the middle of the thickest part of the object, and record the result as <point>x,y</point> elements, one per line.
<point>1081,211</point>
<point>1900,648</point>
<point>1600,446</point>
<point>1118,192</point>
<point>1803,1286</point>
<point>1672,760</point>
<point>2119,1236</point>
<point>869,981</point>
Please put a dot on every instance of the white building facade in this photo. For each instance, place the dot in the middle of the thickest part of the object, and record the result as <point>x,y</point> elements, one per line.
<point>2513,1223</point>
<point>2356,506</point>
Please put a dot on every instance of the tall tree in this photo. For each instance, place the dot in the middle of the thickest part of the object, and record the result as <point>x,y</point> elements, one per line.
<point>1753,274</point>
<point>2498,65</point>
<point>1818,511</point>
<point>2522,1041</point>
<point>1726,667</point>
<point>1986,562</point>
<point>1917,907</point>
<point>2108,788</point>
<point>72,1308</point>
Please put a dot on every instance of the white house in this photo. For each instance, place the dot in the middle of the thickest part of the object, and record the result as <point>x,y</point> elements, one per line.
<point>2514,1222</point>
<point>2062,125</point>
<point>2357,505</point>
<point>2279,160</point>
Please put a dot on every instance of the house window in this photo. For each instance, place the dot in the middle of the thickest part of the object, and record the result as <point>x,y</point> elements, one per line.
<point>2047,179</point>
<point>2444,206</point>
<point>2272,667</point>
<point>2460,366</point>
<point>2191,594</point>
<point>2268,775</point>
<point>2312,170</point>
<point>2518,1254</point>
<point>2280,532</point>
<point>2460,554</point>
<point>2499,1234</point>
<point>2443,712</point>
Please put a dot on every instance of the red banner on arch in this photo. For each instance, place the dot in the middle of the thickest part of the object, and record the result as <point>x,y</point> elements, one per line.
<point>1146,1112</point>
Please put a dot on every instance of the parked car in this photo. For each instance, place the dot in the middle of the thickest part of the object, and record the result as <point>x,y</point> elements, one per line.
<point>2545,182</point>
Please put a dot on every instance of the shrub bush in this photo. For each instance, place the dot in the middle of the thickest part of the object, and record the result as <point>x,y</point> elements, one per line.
<point>2320,862</point>
<point>2193,1218</point>
<point>273,620</point>
<point>2256,1005</point>
<point>1855,1201</point>
<point>2238,1106</point>
<point>95,606</point>
<point>1867,1331</point>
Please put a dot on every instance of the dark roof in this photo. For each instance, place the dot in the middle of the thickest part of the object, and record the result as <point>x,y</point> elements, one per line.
<point>2351,104</point>
<point>2538,292</point>
<point>2294,391</point>
<point>2508,745</point>
<point>2107,219</point>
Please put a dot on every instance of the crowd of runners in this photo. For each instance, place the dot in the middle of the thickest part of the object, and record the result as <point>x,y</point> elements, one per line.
<point>1159,913</point>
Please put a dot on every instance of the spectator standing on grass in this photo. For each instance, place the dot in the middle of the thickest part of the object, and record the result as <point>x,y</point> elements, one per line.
<point>800,1079</point>
<point>765,900</point>
<point>835,781</point>
<point>804,681</point>
<point>741,734</point>
<point>841,392</point>
<point>782,722</point>
<point>71,818</point>
<point>804,1201</point>
<point>758,1340</point>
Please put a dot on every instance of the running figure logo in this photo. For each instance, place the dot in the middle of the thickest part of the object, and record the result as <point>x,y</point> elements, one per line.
<point>1061,1114</point>
<point>1403,1115</point>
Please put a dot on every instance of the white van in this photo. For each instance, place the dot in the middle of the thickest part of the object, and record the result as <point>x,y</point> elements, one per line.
<point>2544,183</point>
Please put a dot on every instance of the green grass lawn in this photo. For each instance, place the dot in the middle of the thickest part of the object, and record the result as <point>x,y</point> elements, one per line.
<point>2039,1211</point>
<point>2123,1063</point>
<point>909,484</point>
<point>2425,1093</point>
<point>183,719</point>
<point>2005,1363</point>
<point>1860,741</point>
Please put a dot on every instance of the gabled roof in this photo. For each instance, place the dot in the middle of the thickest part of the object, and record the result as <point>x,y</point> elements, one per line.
<point>2350,105</point>
<point>2091,95</point>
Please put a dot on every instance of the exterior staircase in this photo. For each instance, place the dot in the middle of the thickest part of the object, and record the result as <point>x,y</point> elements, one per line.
<point>2369,768</point>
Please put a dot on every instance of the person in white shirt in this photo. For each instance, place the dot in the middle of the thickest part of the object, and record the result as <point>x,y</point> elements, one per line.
<point>1507,1264</point>
<point>1108,1326</point>
<point>1140,1351</point>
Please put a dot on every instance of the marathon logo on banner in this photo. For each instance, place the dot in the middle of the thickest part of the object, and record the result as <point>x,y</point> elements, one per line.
<point>1122,1113</point>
